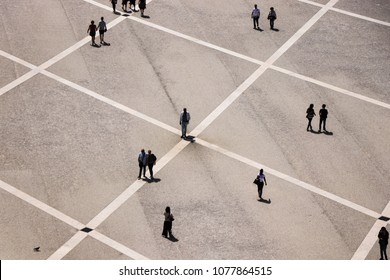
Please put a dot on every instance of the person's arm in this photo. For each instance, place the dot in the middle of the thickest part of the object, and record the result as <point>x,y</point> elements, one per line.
<point>188,117</point>
<point>88,29</point>
<point>181,116</point>
<point>265,181</point>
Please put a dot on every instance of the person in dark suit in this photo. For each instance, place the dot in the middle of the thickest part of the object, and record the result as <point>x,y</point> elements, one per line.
<point>272,17</point>
<point>142,160</point>
<point>323,116</point>
<point>383,241</point>
<point>151,161</point>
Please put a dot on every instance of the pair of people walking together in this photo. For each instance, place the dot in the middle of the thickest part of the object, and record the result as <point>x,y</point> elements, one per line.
<point>144,160</point>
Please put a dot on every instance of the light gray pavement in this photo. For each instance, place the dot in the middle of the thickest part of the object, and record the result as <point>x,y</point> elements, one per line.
<point>71,130</point>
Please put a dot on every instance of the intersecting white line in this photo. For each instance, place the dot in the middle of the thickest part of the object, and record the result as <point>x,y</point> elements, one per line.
<point>348,13</point>
<point>372,236</point>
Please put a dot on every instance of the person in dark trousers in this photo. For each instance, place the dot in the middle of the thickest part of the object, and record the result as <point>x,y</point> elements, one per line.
<point>102,28</point>
<point>124,5</point>
<point>142,6</point>
<point>167,229</point>
<point>184,121</point>
<point>132,5</point>
<point>151,161</point>
<point>310,115</point>
<point>323,116</point>
<point>92,32</point>
<point>383,241</point>
<point>142,160</point>
<point>113,2</point>
<point>255,16</point>
<point>272,17</point>
<point>260,183</point>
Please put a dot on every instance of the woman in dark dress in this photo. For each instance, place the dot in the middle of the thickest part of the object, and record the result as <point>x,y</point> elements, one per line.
<point>142,6</point>
<point>92,32</point>
<point>310,115</point>
<point>383,237</point>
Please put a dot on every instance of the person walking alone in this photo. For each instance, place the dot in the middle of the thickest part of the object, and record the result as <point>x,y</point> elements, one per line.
<point>168,219</point>
<point>272,17</point>
<point>260,181</point>
<point>142,160</point>
<point>184,121</point>
<point>323,116</point>
<point>310,115</point>
<point>255,16</point>
<point>383,241</point>
<point>151,161</point>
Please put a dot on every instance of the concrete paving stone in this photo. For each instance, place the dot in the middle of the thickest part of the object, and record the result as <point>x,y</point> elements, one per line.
<point>267,124</point>
<point>375,251</point>
<point>36,35</point>
<point>228,24</point>
<point>376,9</point>
<point>10,71</point>
<point>92,249</point>
<point>344,51</point>
<point>24,227</point>
<point>79,152</point>
<point>156,73</point>
<point>217,215</point>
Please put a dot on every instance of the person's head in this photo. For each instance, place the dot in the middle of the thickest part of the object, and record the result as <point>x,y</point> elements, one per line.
<point>92,22</point>
<point>383,229</point>
<point>168,210</point>
<point>142,150</point>
<point>323,106</point>
<point>102,18</point>
<point>255,6</point>
<point>149,151</point>
<point>311,106</point>
<point>272,8</point>
<point>185,109</point>
<point>261,171</point>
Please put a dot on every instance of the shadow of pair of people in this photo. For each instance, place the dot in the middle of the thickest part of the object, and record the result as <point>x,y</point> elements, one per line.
<point>266,201</point>
<point>154,180</point>
<point>321,132</point>
<point>172,238</point>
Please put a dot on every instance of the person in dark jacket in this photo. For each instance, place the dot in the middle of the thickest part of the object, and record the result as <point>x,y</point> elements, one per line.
<point>272,17</point>
<point>151,161</point>
<point>310,115</point>
<point>167,229</point>
<point>323,116</point>
<point>383,241</point>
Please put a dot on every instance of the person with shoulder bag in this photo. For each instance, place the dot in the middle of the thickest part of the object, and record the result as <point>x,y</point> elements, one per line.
<point>167,228</point>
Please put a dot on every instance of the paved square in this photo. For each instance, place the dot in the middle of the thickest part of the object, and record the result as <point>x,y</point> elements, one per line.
<point>73,119</point>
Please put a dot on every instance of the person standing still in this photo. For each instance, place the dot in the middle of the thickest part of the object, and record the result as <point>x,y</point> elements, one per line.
<point>142,6</point>
<point>310,115</point>
<point>255,16</point>
<point>272,17</point>
<point>142,159</point>
<point>168,219</point>
<point>383,241</point>
<point>260,183</point>
<point>113,2</point>
<point>184,121</point>
<point>151,162</point>
<point>323,116</point>
<point>132,5</point>
<point>92,32</point>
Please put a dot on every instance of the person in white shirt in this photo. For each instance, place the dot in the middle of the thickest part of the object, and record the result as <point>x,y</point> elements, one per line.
<point>260,183</point>
<point>184,121</point>
<point>255,15</point>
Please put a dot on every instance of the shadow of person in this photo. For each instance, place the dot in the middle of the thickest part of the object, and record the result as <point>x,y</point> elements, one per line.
<point>259,29</point>
<point>190,138</point>
<point>315,131</point>
<point>275,29</point>
<point>117,13</point>
<point>328,132</point>
<point>265,201</point>
<point>96,45</point>
<point>172,238</point>
<point>145,16</point>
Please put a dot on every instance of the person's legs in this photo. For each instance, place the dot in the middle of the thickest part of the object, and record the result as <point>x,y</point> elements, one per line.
<point>140,171</point>
<point>319,129</point>
<point>325,124</point>
<point>309,124</point>
<point>150,166</point>
<point>260,189</point>
<point>271,22</point>
<point>382,249</point>
<point>183,129</point>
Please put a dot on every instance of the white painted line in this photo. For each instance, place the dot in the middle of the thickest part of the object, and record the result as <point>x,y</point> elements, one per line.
<point>117,246</point>
<point>290,179</point>
<point>125,195</point>
<point>112,103</point>
<point>68,246</point>
<point>348,13</point>
<point>372,236</point>
<point>332,87</point>
<point>17,59</point>
<point>248,82</point>
<point>18,81</point>
<point>40,205</point>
